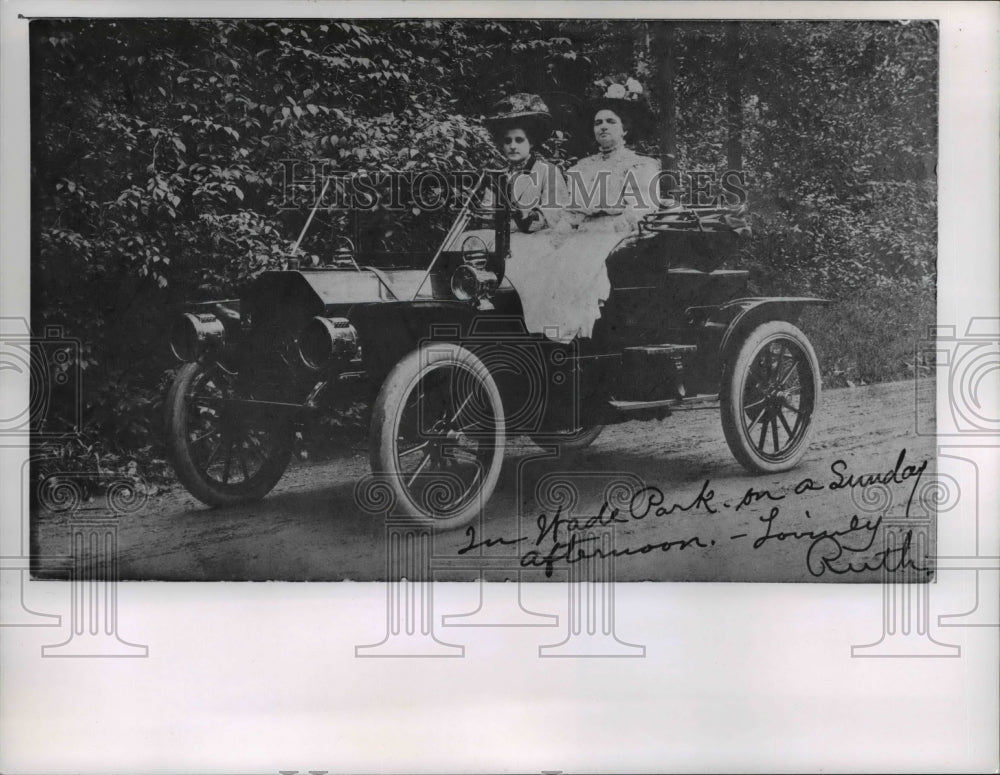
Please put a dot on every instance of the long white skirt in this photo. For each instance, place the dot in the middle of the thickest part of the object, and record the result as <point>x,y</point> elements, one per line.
<point>561,278</point>
<point>562,284</point>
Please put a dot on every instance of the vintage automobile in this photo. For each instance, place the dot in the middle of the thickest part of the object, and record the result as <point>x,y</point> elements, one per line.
<point>442,357</point>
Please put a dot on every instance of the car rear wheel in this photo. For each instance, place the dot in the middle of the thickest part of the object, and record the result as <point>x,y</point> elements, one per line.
<point>770,392</point>
<point>223,455</point>
<point>438,435</point>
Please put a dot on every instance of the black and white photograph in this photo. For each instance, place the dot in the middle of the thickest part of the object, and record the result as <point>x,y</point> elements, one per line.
<point>552,291</point>
<point>632,366</point>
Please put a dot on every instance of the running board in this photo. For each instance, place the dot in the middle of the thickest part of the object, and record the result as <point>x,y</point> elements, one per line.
<point>648,350</point>
<point>696,402</point>
<point>673,404</point>
<point>623,411</point>
<point>663,349</point>
<point>638,406</point>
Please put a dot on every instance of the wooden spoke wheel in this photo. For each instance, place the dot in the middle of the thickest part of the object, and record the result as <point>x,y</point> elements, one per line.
<point>770,392</point>
<point>223,453</point>
<point>438,435</point>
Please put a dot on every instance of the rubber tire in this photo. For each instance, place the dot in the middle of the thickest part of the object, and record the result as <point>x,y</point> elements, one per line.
<point>570,444</point>
<point>205,489</point>
<point>385,425</point>
<point>733,382</point>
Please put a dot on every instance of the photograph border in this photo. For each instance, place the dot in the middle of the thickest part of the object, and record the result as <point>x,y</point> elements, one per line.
<point>743,677</point>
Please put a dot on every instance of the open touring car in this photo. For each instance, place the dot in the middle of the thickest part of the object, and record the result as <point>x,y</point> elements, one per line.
<point>442,357</point>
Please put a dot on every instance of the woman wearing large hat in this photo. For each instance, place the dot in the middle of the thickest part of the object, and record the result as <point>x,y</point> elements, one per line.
<point>519,125</point>
<point>610,192</point>
<point>537,189</point>
<point>625,181</point>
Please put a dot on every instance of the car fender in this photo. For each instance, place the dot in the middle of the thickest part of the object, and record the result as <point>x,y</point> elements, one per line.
<point>390,330</point>
<point>741,316</point>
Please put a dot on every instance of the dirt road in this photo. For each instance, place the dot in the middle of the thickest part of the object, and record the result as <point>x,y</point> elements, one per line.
<point>686,513</point>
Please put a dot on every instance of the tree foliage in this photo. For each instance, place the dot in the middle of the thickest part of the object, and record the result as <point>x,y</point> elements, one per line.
<point>157,150</point>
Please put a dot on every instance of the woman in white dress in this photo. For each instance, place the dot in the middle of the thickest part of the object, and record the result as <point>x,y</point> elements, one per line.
<point>563,291</point>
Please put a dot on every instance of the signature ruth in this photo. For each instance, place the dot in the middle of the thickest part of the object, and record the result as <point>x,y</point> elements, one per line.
<point>559,538</point>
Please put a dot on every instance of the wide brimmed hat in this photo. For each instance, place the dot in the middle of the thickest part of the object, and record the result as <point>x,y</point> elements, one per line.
<point>627,98</point>
<point>524,110</point>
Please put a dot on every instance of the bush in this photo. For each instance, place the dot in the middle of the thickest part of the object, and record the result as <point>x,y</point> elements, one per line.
<point>158,175</point>
<point>871,336</point>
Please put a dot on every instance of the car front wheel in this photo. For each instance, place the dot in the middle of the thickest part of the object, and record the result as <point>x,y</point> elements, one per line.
<point>438,435</point>
<point>223,455</point>
<point>770,392</point>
